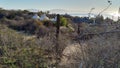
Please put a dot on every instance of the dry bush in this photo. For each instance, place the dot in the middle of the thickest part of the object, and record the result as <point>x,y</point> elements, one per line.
<point>100,52</point>
<point>18,53</point>
<point>104,51</point>
<point>42,31</point>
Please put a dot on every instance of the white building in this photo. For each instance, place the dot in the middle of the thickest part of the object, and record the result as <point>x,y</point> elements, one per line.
<point>44,17</point>
<point>54,19</point>
<point>35,16</point>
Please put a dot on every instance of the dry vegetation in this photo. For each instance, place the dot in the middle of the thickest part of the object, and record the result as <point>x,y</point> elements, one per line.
<point>18,52</point>
<point>35,46</point>
<point>100,51</point>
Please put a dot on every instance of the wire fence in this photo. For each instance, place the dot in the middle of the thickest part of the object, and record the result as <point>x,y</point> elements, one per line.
<point>93,56</point>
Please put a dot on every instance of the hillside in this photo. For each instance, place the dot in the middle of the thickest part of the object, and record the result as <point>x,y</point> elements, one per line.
<point>31,43</point>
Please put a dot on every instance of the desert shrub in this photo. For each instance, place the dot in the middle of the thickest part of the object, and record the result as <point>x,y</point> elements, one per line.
<point>42,31</point>
<point>98,52</point>
<point>11,16</point>
<point>18,18</point>
<point>15,52</point>
<point>48,23</point>
<point>28,26</point>
<point>104,52</point>
<point>25,11</point>
<point>3,13</point>
<point>99,19</point>
<point>18,52</point>
<point>39,23</point>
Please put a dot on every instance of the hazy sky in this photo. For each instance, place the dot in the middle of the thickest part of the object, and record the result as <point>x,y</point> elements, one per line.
<point>70,5</point>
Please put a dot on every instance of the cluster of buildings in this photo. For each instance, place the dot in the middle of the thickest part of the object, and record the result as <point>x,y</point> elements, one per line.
<point>43,17</point>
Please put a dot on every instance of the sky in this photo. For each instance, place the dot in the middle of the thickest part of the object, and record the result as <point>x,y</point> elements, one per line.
<point>81,6</point>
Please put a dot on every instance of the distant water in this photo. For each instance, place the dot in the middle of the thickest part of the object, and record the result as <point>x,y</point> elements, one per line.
<point>94,15</point>
<point>85,14</point>
<point>80,15</point>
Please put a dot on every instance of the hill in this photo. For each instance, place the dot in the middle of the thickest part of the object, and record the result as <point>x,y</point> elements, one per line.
<point>32,43</point>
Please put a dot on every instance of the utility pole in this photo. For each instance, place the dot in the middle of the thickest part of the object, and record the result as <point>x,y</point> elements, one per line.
<point>94,20</point>
<point>109,4</point>
<point>90,12</point>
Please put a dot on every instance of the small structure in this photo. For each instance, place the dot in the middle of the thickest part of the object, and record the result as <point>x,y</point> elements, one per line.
<point>35,16</point>
<point>44,17</point>
<point>54,19</point>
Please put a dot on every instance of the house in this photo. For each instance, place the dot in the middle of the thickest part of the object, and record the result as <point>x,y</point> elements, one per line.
<point>54,19</point>
<point>35,16</point>
<point>44,17</point>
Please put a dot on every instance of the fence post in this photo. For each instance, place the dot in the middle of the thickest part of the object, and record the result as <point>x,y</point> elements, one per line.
<point>57,40</point>
<point>78,29</point>
<point>58,26</point>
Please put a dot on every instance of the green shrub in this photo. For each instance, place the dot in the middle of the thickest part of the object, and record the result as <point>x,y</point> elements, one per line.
<point>64,21</point>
